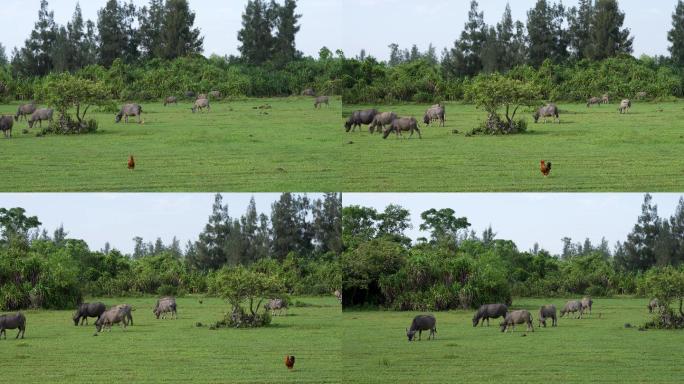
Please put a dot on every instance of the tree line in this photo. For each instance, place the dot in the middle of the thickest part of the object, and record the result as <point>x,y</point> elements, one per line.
<point>456,267</point>
<point>297,246</point>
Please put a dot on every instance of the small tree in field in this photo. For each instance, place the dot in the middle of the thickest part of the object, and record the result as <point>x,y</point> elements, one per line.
<point>666,285</point>
<point>496,92</point>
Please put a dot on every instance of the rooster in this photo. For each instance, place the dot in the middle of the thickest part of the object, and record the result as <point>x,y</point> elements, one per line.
<point>289,361</point>
<point>545,168</point>
<point>131,163</point>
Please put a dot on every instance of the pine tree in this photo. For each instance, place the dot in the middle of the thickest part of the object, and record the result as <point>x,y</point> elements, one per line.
<point>505,35</point>
<point>547,38</point>
<point>677,229</point>
<point>113,41</point>
<point>473,38</point>
<point>414,54</point>
<point>580,29</point>
<point>431,55</point>
<point>285,49</point>
<point>179,37</point>
<point>3,55</point>
<point>61,51</point>
<point>607,37</point>
<point>640,244</point>
<point>35,58</point>
<point>151,29</point>
<point>291,231</point>
<point>395,55</point>
<point>491,52</point>
<point>327,223</point>
<point>255,35</point>
<point>76,37</point>
<point>209,251</point>
<point>676,35</point>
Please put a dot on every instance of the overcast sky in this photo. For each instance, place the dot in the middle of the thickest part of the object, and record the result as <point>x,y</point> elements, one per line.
<point>528,218</point>
<point>374,24</point>
<point>219,20</point>
<point>118,217</point>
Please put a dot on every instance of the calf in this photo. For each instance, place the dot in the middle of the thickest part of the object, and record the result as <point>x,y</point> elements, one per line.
<point>16,321</point>
<point>422,323</point>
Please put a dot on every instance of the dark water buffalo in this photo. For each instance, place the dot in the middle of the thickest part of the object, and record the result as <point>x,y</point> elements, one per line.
<point>436,112</point>
<point>6,124</point>
<point>126,310</point>
<point>359,118</point>
<point>129,110</point>
<point>488,311</point>
<point>309,92</point>
<point>189,94</point>
<point>25,110</point>
<point>422,323</point>
<point>200,104</point>
<point>403,124</point>
<point>548,312</point>
<point>522,316</point>
<point>39,115</point>
<point>549,110</point>
<point>381,120</point>
<point>86,310</point>
<point>274,305</point>
<point>15,321</point>
<point>110,317</point>
<point>320,100</point>
<point>170,100</point>
<point>653,304</point>
<point>593,101</point>
<point>215,94</point>
<point>587,302</point>
<point>625,105</point>
<point>165,305</point>
<point>572,306</point>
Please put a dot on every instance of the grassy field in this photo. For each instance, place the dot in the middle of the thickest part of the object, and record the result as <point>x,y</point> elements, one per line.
<point>594,349</point>
<point>54,350</point>
<point>290,147</point>
<point>591,150</point>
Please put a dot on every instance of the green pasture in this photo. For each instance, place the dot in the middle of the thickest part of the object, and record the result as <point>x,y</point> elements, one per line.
<point>235,147</point>
<point>595,349</point>
<point>593,149</point>
<point>178,351</point>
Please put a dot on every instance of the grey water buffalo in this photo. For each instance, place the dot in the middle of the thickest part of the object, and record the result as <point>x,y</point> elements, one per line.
<point>6,124</point>
<point>605,99</point>
<point>39,115</point>
<point>436,112</point>
<point>25,110</point>
<point>549,110</point>
<point>653,304</point>
<point>422,323</point>
<point>86,310</point>
<point>572,306</point>
<point>338,295</point>
<point>15,321</point>
<point>308,92</point>
<point>165,305</point>
<point>274,305</point>
<point>320,100</point>
<point>126,311</point>
<point>114,315</point>
<point>641,95</point>
<point>403,124</point>
<point>200,104</point>
<point>522,316</point>
<point>215,94</point>
<point>202,96</point>
<point>587,302</point>
<point>625,105</point>
<point>129,110</point>
<point>381,120</point>
<point>171,100</point>
<point>593,101</point>
<point>548,312</point>
<point>359,118</point>
<point>488,311</point>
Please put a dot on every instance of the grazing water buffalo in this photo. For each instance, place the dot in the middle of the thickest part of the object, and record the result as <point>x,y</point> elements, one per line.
<point>488,311</point>
<point>126,311</point>
<point>653,304</point>
<point>338,295</point>
<point>308,92</point>
<point>320,100</point>
<point>114,315</point>
<point>522,316</point>
<point>641,95</point>
<point>25,110</point>
<point>202,96</point>
<point>380,120</point>
<point>129,110</point>
<point>436,112</point>
<point>359,118</point>
<point>550,110</point>
<point>87,310</point>
<point>572,306</point>
<point>39,115</point>
<point>625,105</point>
<point>201,104</point>
<point>587,302</point>
<point>215,94</point>
<point>605,99</point>
<point>274,305</point>
<point>593,101</point>
<point>16,321</point>
<point>6,124</point>
<point>548,312</point>
<point>165,305</point>
<point>171,100</point>
<point>189,94</point>
<point>406,124</point>
<point>422,323</point>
